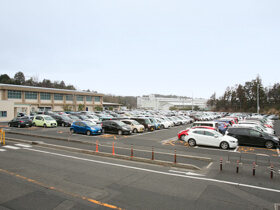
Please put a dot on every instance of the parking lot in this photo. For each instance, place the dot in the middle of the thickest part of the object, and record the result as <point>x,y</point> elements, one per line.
<point>164,141</point>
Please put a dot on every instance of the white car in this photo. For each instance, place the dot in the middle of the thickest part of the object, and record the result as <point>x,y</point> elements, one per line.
<point>208,137</point>
<point>166,124</point>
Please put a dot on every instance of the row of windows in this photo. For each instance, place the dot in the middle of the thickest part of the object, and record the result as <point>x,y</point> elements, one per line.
<point>14,94</point>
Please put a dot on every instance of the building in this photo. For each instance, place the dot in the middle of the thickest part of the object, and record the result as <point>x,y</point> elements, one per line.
<point>18,98</point>
<point>159,103</point>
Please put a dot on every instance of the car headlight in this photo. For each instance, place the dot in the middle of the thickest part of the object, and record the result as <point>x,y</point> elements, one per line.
<point>233,141</point>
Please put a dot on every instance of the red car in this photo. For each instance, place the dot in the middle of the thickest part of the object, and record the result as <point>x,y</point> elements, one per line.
<point>183,133</point>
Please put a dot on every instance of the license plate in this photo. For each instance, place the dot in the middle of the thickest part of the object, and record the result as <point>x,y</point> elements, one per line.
<point>152,129</point>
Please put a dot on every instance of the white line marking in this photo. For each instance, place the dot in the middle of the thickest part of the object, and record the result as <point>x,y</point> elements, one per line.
<point>173,138</point>
<point>159,172</point>
<point>277,150</point>
<point>209,165</point>
<point>2,150</point>
<point>23,145</point>
<point>187,173</point>
<point>236,149</point>
<point>11,147</point>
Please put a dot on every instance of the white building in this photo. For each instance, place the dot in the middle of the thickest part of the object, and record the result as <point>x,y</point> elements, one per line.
<point>159,103</point>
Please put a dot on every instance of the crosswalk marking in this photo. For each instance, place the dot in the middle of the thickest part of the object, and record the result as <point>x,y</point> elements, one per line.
<point>23,145</point>
<point>11,147</point>
<point>2,150</point>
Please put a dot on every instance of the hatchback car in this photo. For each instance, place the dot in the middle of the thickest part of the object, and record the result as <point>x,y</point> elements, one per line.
<point>44,120</point>
<point>253,137</point>
<point>212,138</point>
<point>85,127</point>
<point>146,122</point>
<point>63,120</point>
<point>20,122</point>
<point>183,133</point>
<point>136,126</point>
<point>116,126</point>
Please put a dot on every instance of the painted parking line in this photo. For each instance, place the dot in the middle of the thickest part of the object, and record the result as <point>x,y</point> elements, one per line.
<point>11,147</point>
<point>255,150</point>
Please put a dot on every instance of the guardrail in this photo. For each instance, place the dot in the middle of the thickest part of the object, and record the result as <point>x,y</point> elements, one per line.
<point>2,137</point>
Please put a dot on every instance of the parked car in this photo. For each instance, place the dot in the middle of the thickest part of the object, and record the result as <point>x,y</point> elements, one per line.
<point>183,133</point>
<point>146,122</point>
<point>253,137</point>
<point>116,126</point>
<point>156,123</point>
<point>44,120</point>
<point>86,127</point>
<point>208,137</point>
<point>222,126</point>
<point>136,126</point>
<point>206,123</point>
<point>20,122</point>
<point>165,124</point>
<point>63,121</point>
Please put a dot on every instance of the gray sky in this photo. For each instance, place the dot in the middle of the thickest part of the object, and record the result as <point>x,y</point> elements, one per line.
<point>128,47</point>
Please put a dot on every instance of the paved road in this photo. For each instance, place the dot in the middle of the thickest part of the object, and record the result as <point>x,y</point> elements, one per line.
<point>38,178</point>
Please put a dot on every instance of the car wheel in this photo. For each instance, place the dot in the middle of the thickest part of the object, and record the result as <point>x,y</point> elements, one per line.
<point>269,144</point>
<point>161,127</point>
<point>120,132</point>
<point>34,124</point>
<point>88,133</point>
<point>182,137</point>
<point>192,142</point>
<point>72,130</point>
<point>18,126</point>
<point>62,124</point>
<point>134,130</point>
<point>224,145</point>
<point>45,125</point>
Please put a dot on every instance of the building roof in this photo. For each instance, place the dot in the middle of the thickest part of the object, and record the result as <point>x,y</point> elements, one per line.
<point>44,89</point>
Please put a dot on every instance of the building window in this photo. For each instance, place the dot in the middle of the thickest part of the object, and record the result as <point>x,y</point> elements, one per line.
<point>97,98</point>
<point>14,94</point>
<point>45,96</point>
<point>30,95</point>
<point>69,97</point>
<point>58,97</point>
<point>80,98</point>
<point>88,98</point>
<point>3,113</point>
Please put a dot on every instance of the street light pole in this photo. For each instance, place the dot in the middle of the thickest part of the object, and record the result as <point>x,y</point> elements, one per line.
<point>258,108</point>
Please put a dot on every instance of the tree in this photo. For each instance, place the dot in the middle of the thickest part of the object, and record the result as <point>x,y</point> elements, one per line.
<point>19,78</point>
<point>66,107</point>
<point>98,108</point>
<point>81,107</point>
<point>4,78</point>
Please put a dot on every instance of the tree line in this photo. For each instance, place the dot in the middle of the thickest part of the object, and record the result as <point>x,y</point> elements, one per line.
<point>19,79</point>
<point>245,98</point>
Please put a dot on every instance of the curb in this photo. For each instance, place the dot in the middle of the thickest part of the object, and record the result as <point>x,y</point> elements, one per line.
<point>103,154</point>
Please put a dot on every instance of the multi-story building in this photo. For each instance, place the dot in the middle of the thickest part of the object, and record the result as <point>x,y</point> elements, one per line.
<point>160,103</point>
<point>18,98</point>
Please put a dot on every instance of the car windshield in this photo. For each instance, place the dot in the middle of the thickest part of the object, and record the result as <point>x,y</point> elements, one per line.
<point>90,124</point>
<point>153,120</point>
<point>147,121</point>
<point>120,123</point>
<point>65,118</point>
<point>74,117</point>
<point>135,122</point>
<point>84,117</point>
<point>48,118</point>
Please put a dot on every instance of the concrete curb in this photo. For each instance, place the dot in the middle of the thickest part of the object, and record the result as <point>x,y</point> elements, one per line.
<point>93,143</point>
<point>103,154</point>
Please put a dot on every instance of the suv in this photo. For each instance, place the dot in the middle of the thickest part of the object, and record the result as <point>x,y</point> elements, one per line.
<point>146,122</point>
<point>44,120</point>
<point>251,136</point>
<point>116,126</point>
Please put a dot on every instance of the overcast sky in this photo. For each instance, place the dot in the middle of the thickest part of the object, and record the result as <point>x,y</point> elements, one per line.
<point>133,47</point>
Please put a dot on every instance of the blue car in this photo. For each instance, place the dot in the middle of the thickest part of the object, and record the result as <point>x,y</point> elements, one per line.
<point>85,127</point>
<point>156,124</point>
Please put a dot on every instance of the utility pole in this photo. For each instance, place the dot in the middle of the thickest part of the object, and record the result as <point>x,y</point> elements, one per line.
<point>258,107</point>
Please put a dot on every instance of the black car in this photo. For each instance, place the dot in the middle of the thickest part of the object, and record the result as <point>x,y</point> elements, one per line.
<point>63,121</point>
<point>252,137</point>
<point>20,122</point>
<point>116,126</point>
<point>149,126</point>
